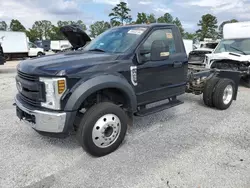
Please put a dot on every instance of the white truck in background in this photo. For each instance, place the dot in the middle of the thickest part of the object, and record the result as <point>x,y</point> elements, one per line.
<point>189,45</point>
<point>197,56</point>
<point>16,45</point>
<point>233,51</point>
<point>59,45</point>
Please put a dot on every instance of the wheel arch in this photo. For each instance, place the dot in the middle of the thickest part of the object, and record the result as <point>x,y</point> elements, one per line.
<point>39,52</point>
<point>85,88</point>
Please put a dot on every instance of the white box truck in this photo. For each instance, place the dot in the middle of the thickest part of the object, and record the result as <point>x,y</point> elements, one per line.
<point>16,45</point>
<point>59,45</point>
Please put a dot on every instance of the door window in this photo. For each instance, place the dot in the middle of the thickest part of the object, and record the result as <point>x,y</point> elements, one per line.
<point>31,45</point>
<point>162,34</point>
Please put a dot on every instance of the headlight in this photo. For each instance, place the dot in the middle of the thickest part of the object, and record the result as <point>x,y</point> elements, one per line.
<point>54,89</point>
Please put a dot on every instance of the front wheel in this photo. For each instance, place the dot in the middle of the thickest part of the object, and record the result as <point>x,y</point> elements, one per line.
<point>102,129</point>
<point>7,57</point>
<point>39,54</point>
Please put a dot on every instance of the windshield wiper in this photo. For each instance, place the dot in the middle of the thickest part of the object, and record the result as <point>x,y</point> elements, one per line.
<point>97,50</point>
<point>238,50</point>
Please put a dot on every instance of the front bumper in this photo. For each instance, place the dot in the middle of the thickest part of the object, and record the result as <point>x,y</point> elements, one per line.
<point>45,121</point>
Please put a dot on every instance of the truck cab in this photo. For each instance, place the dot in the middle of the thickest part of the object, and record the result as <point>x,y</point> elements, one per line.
<point>34,50</point>
<point>98,87</point>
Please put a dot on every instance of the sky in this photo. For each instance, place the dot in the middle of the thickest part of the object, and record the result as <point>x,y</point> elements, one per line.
<point>188,11</point>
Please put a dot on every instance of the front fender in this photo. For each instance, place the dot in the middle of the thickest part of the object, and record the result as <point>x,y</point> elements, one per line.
<point>86,88</point>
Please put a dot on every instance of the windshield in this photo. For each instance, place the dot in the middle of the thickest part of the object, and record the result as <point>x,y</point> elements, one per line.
<point>240,46</point>
<point>116,40</point>
<point>31,45</point>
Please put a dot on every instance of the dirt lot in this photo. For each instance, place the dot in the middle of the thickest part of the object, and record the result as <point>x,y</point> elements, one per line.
<point>9,66</point>
<point>186,146</point>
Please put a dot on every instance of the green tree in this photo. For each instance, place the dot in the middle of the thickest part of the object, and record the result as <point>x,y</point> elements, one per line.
<point>151,18</point>
<point>208,24</point>
<point>166,18</point>
<point>115,23</point>
<point>189,36</point>
<point>55,34</point>
<point>78,22</point>
<point>177,22</point>
<point>98,27</point>
<point>220,35</point>
<point>63,23</point>
<point>43,28</point>
<point>15,25</point>
<point>121,13</point>
<point>3,26</point>
<point>141,18</point>
<point>32,34</point>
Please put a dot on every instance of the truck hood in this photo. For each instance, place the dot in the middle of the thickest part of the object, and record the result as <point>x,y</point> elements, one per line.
<point>66,63</point>
<point>75,35</point>
<point>228,55</point>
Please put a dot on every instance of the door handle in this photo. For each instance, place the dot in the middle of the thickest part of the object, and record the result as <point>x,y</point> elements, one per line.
<point>178,64</point>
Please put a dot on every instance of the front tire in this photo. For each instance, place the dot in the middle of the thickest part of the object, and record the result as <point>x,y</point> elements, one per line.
<point>7,57</point>
<point>39,54</point>
<point>224,94</point>
<point>102,129</point>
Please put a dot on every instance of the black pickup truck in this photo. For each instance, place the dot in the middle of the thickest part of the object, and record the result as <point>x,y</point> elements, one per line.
<point>96,90</point>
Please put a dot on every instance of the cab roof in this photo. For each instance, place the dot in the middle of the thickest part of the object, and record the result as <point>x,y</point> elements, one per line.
<point>148,25</point>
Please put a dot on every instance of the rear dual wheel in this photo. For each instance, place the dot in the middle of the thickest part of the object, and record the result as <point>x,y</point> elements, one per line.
<point>102,129</point>
<point>219,93</point>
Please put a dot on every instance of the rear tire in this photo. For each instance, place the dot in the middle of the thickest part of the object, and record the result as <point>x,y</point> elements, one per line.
<point>102,129</point>
<point>209,90</point>
<point>223,94</point>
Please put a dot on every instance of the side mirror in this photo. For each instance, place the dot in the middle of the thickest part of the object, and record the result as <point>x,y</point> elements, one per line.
<point>142,56</point>
<point>159,50</point>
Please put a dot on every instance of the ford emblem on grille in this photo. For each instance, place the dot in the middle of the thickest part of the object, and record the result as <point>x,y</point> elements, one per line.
<point>19,86</point>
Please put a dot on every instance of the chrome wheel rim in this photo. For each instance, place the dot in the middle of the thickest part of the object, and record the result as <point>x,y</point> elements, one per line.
<point>228,94</point>
<point>106,130</point>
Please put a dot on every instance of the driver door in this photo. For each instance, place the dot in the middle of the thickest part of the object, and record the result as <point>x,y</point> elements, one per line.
<point>32,49</point>
<point>163,78</point>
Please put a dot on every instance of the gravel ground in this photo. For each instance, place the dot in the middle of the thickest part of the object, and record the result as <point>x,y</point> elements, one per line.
<point>187,146</point>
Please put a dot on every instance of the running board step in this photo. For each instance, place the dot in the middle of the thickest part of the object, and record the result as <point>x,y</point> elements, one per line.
<point>148,111</point>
